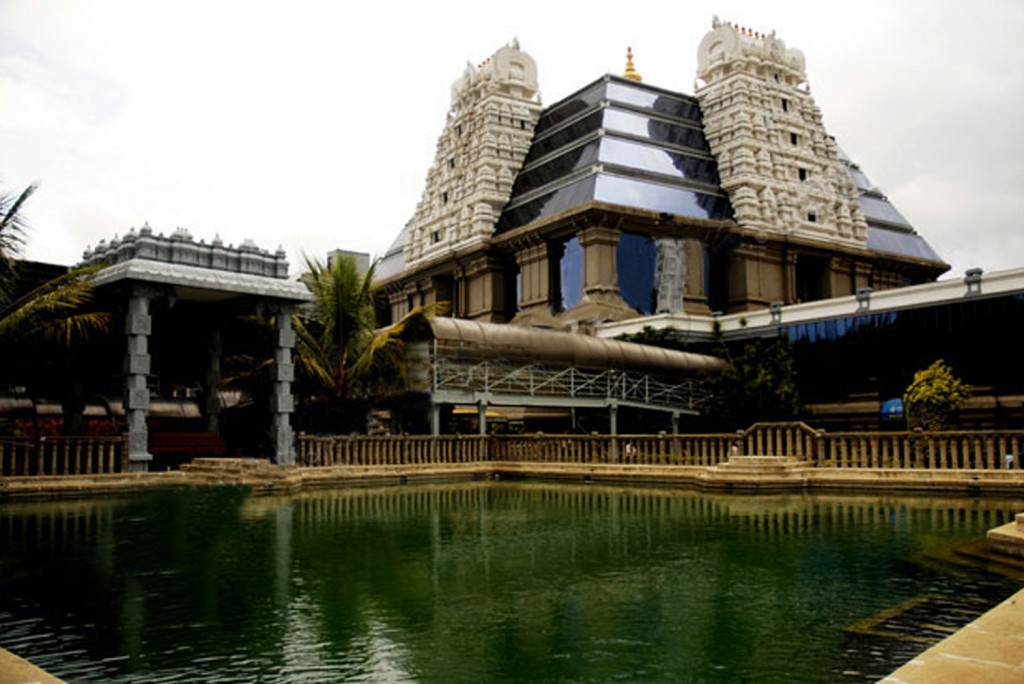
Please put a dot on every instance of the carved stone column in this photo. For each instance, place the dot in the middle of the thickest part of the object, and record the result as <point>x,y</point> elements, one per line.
<point>282,404</point>
<point>138,326</point>
<point>484,279</point>
<point>601,298</point>
<point>695,296</point>
<point>535,278</point>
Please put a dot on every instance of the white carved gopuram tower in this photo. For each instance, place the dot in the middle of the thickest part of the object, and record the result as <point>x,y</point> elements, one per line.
<point>486,136</point>
<point>775,159</point>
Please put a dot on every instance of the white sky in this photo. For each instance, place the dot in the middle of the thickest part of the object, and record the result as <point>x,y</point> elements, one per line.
<point>312,124</point>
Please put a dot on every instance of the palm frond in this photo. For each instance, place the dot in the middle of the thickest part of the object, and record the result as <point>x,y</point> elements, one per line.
<point>12,235</point>
<point>56,310</point>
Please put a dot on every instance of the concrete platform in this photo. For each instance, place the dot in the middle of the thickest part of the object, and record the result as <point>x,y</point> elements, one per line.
<point>15,670</point>
<point>989,650</point>
<point>1008,539</point>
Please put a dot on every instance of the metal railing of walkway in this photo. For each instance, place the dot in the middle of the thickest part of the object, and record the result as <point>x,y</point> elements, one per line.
<point>567,386</point>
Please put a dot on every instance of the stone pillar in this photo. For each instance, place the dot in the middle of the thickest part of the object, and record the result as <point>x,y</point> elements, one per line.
<point>484,281</point>
<point>282,404</point>
<point>481,412</point>
<point>138,326</point>
<point>789,276</point>
<point>212,408</point>
<point>435,419</point>
<point>861,275</point>
<point>613,419</point>
<point>600,277</point>
<point>535,278</point>
<point>695,298</point>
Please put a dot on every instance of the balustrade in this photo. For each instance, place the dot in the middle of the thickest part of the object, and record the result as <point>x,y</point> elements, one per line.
<point>972,450</point>
<point>62,455</point>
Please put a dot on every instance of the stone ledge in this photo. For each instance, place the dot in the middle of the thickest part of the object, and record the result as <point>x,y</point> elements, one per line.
<point>266,476</point>
<point>989,650</point>
<point>16,670</point>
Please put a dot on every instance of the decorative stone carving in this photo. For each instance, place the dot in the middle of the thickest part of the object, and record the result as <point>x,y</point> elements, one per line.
<point>669,274</point>
<point>181,248</point>
<point>777,162</point>
<point>485,140</point>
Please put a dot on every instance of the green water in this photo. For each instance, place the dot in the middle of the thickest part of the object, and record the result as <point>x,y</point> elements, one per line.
<point>477,582</point>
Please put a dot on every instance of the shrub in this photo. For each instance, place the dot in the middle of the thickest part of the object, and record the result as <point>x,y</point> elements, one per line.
<point>934,397</point>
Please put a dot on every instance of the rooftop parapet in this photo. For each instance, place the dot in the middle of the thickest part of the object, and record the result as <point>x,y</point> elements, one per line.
<point>181,248</point>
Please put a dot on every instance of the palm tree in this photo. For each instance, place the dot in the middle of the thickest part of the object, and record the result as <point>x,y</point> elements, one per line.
<point>43,327</point>
<point>12,235</point>
<point>342,357</point>
<point>56,310</point>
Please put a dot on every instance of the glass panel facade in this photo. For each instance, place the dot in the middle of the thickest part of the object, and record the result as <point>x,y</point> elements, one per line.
<point>588,97</point>
<point>877,209</point>
<point>660,197</point>
<point>659,102</point>
<point>635,258</point>
<point>896,242</point>
<point>565,136</point>
<point>655,129</point>
<point>548,205</point>
<point>650,158</point>
<point>559,167</point>
<point>881,351</point>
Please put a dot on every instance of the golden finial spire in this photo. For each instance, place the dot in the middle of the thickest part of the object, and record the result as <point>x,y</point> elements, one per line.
<point>631,73</point>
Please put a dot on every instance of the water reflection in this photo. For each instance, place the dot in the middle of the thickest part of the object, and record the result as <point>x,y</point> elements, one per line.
<point>481,581</point>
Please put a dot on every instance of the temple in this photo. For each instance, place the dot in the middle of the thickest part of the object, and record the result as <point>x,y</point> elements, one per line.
<point>625,200</point>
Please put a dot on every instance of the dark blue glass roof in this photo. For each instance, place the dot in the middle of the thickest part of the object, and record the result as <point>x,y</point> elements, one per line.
<point>619,142</point>
<point>888,230</point>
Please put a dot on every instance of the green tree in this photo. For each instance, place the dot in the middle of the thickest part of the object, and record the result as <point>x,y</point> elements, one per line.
<point>758,385</point>
<point>343,359</point>
<point>933,399</point>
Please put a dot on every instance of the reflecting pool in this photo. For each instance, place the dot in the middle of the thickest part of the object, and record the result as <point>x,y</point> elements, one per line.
<point>485,581</point>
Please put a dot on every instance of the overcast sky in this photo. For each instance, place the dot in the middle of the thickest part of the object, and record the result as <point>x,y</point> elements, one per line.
<point>311,125</point>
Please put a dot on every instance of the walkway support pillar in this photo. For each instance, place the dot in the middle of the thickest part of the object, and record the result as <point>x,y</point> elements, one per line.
<point>481,412</point>
<point>213,351</point>
<point>435,419</point>
<point>138,326</point>
<point>282,404</point>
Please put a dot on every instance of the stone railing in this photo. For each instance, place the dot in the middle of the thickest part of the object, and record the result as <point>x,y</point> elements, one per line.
<point>62,455</point>
<point>391,450</point>
<point>964,450</point>
<point>956,450</point>
<point>660,449</point>
<point>779,439</point>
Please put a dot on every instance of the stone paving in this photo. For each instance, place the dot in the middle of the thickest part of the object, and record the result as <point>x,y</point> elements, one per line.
<point>990,650</point>
<point>15,670</point>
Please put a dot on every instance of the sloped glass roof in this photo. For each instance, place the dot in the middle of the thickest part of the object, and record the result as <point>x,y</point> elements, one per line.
<point>619,142</point>
<point>638,146</point>
<point>888,230</point>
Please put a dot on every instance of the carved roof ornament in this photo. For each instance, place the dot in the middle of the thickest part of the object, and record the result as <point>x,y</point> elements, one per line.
<point>631,72</point>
